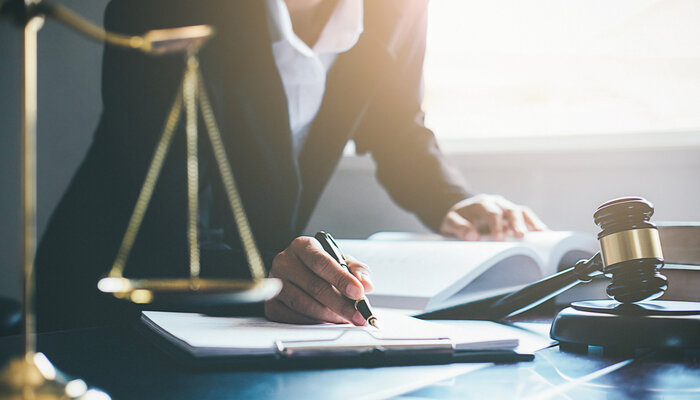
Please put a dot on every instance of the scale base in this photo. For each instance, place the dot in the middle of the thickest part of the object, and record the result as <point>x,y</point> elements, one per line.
<point>190,294</point>
<point>628,327</point>
<point>33,377</point>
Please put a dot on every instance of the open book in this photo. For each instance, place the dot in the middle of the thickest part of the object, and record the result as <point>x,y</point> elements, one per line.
<point>432,273</point>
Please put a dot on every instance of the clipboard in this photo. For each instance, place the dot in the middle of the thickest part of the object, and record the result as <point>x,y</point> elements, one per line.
<point>334,347</point>
<point>339,348</point>
<point>297,356</point>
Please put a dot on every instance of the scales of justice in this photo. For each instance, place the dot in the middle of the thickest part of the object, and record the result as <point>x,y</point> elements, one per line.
<point>32,376</point>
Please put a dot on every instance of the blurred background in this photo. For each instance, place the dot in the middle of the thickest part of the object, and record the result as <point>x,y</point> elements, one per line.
<point>557,104</point>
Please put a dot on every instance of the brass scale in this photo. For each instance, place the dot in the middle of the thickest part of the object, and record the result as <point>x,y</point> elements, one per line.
<point>32,376</point>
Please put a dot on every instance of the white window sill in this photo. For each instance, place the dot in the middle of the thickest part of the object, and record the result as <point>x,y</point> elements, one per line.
<point>573,143</point>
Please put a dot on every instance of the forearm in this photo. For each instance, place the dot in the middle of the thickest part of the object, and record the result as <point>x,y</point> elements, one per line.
<point>419,178</point>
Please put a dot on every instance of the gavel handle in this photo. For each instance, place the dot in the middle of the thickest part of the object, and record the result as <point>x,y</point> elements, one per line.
<point>543,290</point>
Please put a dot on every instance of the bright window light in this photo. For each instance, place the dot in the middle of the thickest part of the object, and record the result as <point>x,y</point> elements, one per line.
<point>541,68</point>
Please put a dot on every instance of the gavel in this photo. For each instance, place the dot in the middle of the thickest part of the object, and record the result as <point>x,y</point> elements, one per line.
<point>630,255</point>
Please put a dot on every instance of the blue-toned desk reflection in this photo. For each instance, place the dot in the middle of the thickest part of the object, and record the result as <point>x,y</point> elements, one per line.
<point>124,363</point>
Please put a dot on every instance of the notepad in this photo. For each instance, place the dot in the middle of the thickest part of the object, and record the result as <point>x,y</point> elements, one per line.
<point>206,336</point>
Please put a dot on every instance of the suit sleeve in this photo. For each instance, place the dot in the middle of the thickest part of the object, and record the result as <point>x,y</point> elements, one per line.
<point>409,163</point>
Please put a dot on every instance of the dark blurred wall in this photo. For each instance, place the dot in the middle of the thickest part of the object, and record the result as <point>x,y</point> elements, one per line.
<point>69,107</point>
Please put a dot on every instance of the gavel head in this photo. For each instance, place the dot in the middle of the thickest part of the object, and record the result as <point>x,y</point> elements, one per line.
<point>631,249</point>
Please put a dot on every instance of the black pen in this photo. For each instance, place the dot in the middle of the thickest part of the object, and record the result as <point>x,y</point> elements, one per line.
<point>331,247</point>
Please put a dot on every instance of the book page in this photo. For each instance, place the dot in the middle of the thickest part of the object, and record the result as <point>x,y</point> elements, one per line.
<point>558,249</point>
<point>561,249</point>
<point>554,250</point>
<point>428,275</point>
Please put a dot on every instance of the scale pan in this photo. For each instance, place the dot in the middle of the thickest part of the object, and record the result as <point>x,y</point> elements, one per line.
<point>188,293</point>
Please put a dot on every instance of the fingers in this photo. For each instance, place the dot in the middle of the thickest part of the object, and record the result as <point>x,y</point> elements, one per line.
<point>361,272</point>
<point>278,311</point>
<point>459,227</point>
<point>494,217</point>
<point>513,217</point>
<point>532,221</point>
<point>311,254</point>
<point>309,278</point>
<point>489,213</point>
<point>296,299</point>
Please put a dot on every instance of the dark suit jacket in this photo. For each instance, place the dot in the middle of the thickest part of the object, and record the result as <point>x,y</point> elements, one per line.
<point>373,97</point>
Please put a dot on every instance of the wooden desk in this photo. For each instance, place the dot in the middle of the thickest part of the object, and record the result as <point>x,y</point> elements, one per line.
<point>122,362</point>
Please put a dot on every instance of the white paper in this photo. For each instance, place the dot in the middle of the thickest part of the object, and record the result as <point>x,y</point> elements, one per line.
<point>218,336</point>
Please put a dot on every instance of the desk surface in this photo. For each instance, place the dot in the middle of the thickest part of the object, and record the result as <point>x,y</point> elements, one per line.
<point>126,365</point>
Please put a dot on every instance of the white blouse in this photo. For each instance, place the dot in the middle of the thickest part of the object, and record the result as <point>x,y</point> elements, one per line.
<point>302,69</point>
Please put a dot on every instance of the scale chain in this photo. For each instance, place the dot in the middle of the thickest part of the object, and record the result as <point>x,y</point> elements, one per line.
<point>191,94</point>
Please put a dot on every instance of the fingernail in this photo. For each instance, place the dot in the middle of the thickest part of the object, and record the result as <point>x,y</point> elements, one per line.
<point>365,277</point>
<point>358,319</point>
<point>353,291</point>
<point>367,282</point>
<point>358,274</point>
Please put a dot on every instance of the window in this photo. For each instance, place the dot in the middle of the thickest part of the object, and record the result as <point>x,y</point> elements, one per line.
<point>565,68</point>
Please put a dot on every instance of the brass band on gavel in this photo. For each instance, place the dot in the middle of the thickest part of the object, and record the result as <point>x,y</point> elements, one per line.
<point>629,245</point>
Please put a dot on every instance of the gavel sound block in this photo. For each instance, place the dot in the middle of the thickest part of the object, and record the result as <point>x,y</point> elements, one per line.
<point>631,255</point>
